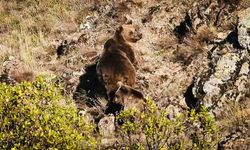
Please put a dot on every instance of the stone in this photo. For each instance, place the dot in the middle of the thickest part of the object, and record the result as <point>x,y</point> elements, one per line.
<point>244,28</point>
<point>89,23</point>
<point>226,78</point>
<point>107,126</point>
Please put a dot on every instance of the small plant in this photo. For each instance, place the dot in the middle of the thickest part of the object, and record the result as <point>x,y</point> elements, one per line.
<point>36,116</point>
<point>203,130</point>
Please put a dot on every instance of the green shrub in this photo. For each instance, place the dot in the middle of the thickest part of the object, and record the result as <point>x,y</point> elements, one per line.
<point>153,129</point>
<point>202,130</point>
<point>36,116</point>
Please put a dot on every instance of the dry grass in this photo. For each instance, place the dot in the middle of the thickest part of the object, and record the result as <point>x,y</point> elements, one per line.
<point>27,27</point>
<point>22,74</point>
<point>206,34</point>
<point>236,115</point>
<point>234,125</point>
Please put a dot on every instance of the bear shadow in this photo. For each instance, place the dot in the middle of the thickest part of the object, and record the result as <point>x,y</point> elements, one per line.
<point>90,89</point>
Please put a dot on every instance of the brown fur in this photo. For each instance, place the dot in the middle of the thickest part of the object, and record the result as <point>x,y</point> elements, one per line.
<point>124,36</point>
<point>129,97</point>
<point>116,63</point>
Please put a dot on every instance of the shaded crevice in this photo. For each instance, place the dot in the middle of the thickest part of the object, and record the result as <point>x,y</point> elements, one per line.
<point>232,38</point>
<point>4,78</point>
<point>113,108</point>
<point>184,27</point>
<point>62,49</point>
<point>191,101</point>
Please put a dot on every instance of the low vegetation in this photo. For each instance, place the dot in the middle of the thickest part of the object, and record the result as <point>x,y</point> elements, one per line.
<point>36,116</point>
<point>156,129</point>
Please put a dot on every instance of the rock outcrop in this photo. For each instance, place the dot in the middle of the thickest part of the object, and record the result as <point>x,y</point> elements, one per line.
<point>227,76</point>
<point>244,28</point>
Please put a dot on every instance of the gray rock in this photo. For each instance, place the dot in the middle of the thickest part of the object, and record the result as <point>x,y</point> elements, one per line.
<point>88,23</point>
<point>225,79</point>
<point>107,129</point>
<point>244,28</point>
<point>107,126</point>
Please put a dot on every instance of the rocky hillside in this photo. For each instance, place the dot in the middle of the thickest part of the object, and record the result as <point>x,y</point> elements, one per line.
<point>192,53</point>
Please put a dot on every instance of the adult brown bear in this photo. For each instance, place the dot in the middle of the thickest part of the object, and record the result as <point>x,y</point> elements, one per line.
<point>116,64</point>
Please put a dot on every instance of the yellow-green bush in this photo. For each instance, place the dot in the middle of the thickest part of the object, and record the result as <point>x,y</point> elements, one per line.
<point>36,116</point>
<point>154,129</point>
<point>202,130</point>
<point>150,129</point>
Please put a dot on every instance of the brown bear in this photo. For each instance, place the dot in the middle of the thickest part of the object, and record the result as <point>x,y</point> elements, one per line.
<point>116,62</point>
<point>129,97</point>
<point>124,36</point>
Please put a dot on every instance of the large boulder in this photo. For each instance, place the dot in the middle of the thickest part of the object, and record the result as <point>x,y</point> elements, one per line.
<point>244,28</point>
<point>107,128</point>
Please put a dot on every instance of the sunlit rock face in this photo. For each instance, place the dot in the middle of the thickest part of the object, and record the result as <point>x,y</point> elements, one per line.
<point>227,75</point>
<point>244,28</point>
<point>225,79</point>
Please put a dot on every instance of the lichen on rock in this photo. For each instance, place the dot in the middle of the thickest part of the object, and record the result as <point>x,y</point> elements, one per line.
<point>244,28</point>
<point>226,77</point>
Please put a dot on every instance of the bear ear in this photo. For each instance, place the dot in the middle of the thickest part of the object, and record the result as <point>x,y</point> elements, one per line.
<point>119,30</point>
<point>109,43</point>
<point>128,21</point>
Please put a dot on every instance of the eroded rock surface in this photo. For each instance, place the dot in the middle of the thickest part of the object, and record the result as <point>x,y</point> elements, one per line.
<point>225,79</point>
<point>106,128</point>
<point>227,76</point>
<point>244,28</point>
